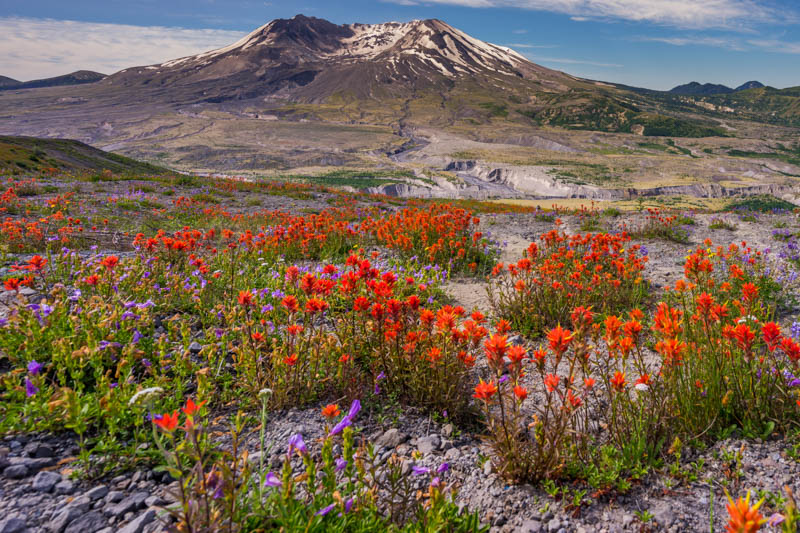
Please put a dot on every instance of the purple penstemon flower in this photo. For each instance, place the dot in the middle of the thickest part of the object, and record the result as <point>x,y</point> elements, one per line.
<point>339,427</point>
<point>296,443</point>
<point>272,480</point>
<point>377,379</point>
<point>355,407</point>
<point>420,470</point>
<point>444,467</point>
<point>325,510</point>
<point>34,368</point>
<point>30,388</point>
<point>341,464</point>
<point>137,336</point>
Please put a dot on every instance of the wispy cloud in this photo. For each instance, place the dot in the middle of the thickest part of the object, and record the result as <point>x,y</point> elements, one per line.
<point>679,13</point>
<point>39,48</point>
<point>528,45</point>
<point>728,43</point>
<point>717,42</point>
<point>775,45</point>
<point>570,61</point>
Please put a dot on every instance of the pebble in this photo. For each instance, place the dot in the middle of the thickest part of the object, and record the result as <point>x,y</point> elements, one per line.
<point>65,487</point>
<point>391,438</point>
<point>12,524</point>
<point>429,444</point>
<point>98,492</point>
<point>45,481</point>
<point>58,523</point>
<point>17,471</point>
<point>87,523</point>
<point>136,525</point>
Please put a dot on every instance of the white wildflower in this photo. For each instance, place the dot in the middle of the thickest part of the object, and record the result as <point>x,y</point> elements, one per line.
<point>144,394</point>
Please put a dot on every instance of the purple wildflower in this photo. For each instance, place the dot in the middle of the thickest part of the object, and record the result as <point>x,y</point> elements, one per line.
<point>30,388</point>
<point>272,480</point>
<point>355,407</point>
<point>325,510</point>
<point>444,467</point>
<point>420,470</point>
<point>296,443</point>
<point>341,464</point>
<point>343,423</point>
<point>34,368</point>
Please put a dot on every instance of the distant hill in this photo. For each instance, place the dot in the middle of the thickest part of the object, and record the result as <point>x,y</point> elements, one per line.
<point>700,89</point>
<point>6,81</point>
<point>31,154</point>
<point>75,78</point>
<point>750,85</point>
<point>707,89</point>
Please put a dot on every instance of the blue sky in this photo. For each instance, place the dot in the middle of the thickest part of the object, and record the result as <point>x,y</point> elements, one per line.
<point>647,43</point>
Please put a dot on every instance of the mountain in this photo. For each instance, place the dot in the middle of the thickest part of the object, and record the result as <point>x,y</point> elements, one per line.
<point>6,81</point>
<point>700,89</point>
<point>75,78</point>
<point>418,73</point>
<point>750,85</point>
<point>308,59</point>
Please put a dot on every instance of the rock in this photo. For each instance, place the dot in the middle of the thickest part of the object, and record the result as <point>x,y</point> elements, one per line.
<point>627,520</point>
<point>154,527</point>
<point>45,481</point>
<point>131,503</point>
<point>98,492</point>
<point>137,524</point>
<point>36,464</point>
<point>81,503</point>
<point>554,525</point>
<point>195,347</point>
<point>487,468</point>
<point>38,449</point>
<point>153,501</point>
<point>12,524</point>
<point>429,444</point>
<point>17,471</point>
<point>447,430</point>
<point>65,487</point>
<point>530,526</point>
<point>114,496</point>
<point>452,454</point>
<point>391,438</point>
<point>663,514</point>
<point>87,523</point>
<point>61,520</point>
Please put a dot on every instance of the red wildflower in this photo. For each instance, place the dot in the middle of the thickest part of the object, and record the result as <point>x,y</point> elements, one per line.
<point>749,292</point>
<point>290,304</point>
<point>167,422</point>
<point>772,335</point>
<point>245,298</point>
<point>618,381</point>
<point>743,517</point>
<point>551,382</point>
<point>485,391</point>
<point>110,262</point>
<point>559,339</point>
<point>331,411</point>
<point>192,408</point>
<point>11,284</point>
<point>37,263</point>
<point>744,336</point>
<point>291,360</point>
<point>520,392</point>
